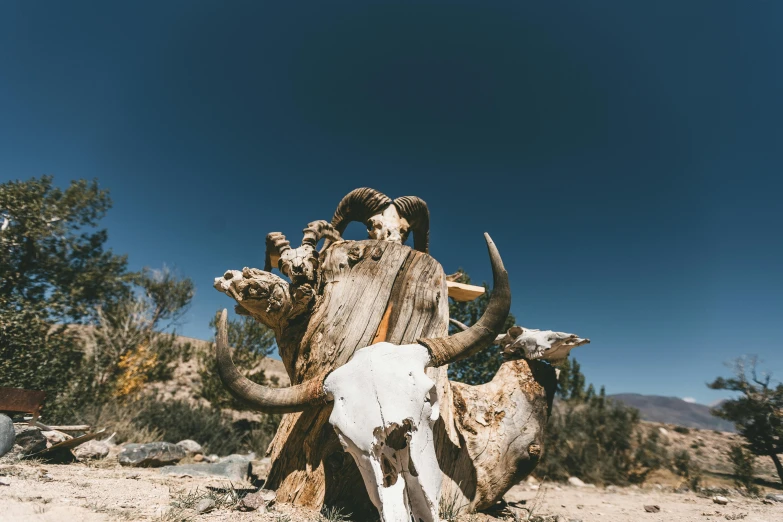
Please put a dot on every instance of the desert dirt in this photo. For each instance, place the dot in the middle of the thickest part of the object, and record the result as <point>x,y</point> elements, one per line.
<point>105,491</point>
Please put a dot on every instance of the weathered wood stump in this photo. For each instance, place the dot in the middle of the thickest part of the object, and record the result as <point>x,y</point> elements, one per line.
<point>487,438</point>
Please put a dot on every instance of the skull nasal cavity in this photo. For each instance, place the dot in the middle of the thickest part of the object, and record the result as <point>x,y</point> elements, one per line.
<point>389,472</point>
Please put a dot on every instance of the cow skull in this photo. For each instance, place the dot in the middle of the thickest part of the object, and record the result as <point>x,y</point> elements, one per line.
<point>384,410</point>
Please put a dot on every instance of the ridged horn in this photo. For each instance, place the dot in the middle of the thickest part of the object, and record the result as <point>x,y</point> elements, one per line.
<point>359,205</point>
<point>445,350</point>
<point>418,215</point>
<point>263,398</point>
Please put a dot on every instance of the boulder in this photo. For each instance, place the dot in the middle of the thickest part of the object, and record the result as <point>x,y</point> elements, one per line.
<point>191,447</point>
<point>720,500</point>
<point>257,501</point>
<point>153,454</point>
<point>7,434</point>
<point>775,497</point>
<point>29,440</point>
<point>574,481</point>
<point>233,467</point>
<point>92,450</point>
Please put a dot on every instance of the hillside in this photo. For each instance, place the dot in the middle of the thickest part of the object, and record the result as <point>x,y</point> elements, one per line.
<point>673,410</point>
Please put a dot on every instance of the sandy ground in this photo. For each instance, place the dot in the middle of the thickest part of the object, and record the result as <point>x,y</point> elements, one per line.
<point>105,491</point>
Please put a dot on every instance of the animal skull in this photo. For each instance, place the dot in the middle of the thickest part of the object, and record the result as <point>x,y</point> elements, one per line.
<point>384,410</point>
<point>538,344</point>
<point>388,226</point>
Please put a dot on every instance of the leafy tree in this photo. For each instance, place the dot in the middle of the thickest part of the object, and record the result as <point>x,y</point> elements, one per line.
<point>252,342</point>
<point>481,367</point>
<point>757,411</point>
<point>52,258</point>
<point>56,271</point>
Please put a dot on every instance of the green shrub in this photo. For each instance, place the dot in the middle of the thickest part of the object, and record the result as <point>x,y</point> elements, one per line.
<point>689,469</point>
<point>743,463</point>
<point>599,441</point>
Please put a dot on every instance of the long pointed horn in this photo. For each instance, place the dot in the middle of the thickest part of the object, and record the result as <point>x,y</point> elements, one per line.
<point>359,205</point>
<point>263,398</point>
<point>418,215</point>
<point>445,350</point>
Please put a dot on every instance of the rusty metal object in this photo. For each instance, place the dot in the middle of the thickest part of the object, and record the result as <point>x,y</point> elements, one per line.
<point>18,400</point>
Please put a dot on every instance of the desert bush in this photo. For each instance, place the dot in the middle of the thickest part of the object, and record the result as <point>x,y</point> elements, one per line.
<point>147,418</point>
<point>594,440</point>
<point>743,463</point>
<point>687,468</point>
<point>682,429</point>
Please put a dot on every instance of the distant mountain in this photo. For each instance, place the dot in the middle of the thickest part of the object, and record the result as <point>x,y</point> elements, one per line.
<point>673,410</point>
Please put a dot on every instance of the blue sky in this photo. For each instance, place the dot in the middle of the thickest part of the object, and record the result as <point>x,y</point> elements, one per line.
<point>625,156</point>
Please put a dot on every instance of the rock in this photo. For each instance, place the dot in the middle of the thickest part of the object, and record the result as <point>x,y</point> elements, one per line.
<point>205,505</point>
<point>153,454</point>
<point>233,467</point>
<point>663,431</point>
<point>652,509</point>
<point>7,434</point>
<point>4,481</point>
<point>198,457</point>
<point>190,446</point>
<point>258,501</point>
<point>92,450</point>
<point>211,458</point>
<point>576,482</point>
<point>720,500</point>
<point>29,440</point>
<point>776,497</point>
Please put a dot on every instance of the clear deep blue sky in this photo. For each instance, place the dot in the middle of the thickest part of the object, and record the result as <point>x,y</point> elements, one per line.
<point>625,156</point>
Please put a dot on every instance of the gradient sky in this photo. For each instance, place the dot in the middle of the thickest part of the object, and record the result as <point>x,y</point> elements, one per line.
<point>625,156</point>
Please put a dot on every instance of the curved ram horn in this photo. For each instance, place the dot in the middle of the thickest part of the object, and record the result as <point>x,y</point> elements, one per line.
<point>263,398</point>
<point>359,205</point>
<point>445,350</point>
<point>418,215</point>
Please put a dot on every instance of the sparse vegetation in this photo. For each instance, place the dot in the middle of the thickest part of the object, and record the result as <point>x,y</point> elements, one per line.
<point>742,462</point>
<point>687,468</point>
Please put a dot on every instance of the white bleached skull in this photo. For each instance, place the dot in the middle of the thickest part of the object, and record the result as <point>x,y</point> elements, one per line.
<point>538,344</point>
<point>388,226</point>
<point>384,410</point>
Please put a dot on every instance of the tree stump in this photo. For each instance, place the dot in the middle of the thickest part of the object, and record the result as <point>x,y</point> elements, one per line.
<point>370,291</point>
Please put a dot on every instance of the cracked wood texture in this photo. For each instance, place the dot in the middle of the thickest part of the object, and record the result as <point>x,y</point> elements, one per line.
<point>369,291</point>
